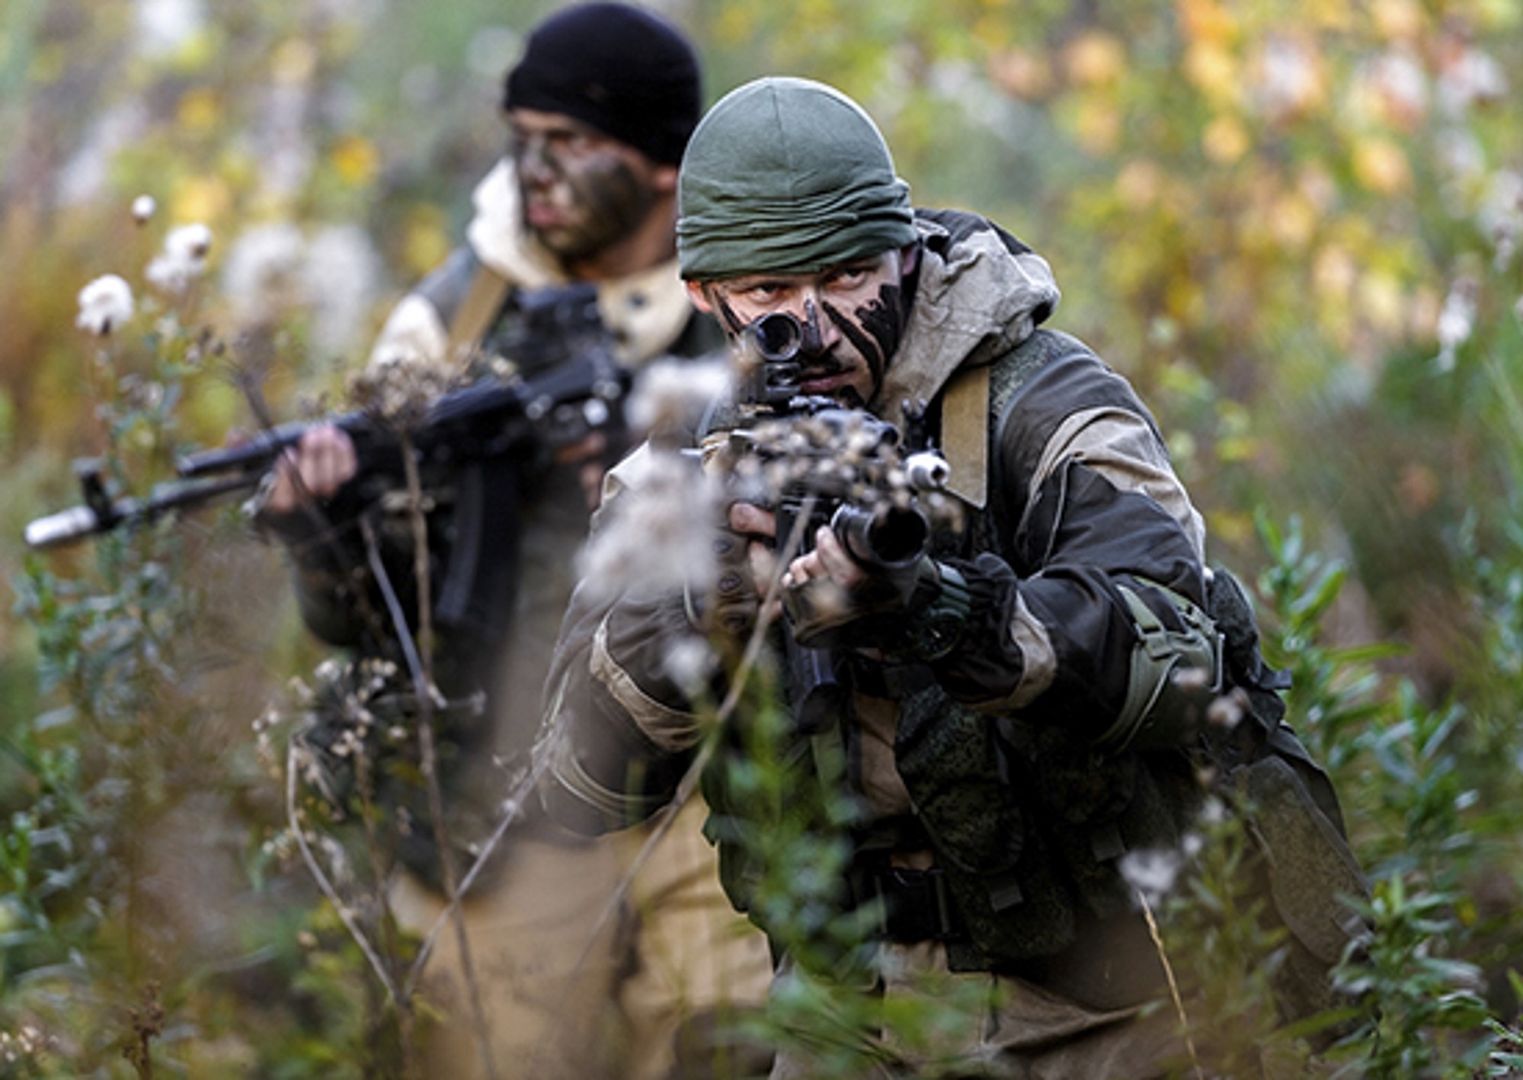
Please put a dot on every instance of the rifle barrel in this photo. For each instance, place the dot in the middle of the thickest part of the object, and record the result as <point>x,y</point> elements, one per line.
<point>78,522</point>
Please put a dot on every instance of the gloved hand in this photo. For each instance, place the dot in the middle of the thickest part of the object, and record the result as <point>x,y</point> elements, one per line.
<point>832,600</point>
<point>743,572</point>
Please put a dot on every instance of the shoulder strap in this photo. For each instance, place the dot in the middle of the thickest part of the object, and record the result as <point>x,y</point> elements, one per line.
<point>474,316</point>
<point>965,434</point>
<point>970,407</point>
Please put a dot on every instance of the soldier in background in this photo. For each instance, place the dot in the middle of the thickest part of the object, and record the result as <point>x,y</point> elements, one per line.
<point>599,110</point>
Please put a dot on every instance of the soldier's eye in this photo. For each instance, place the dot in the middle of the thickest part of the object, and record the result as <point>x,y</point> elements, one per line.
<point>764,292</point>
<point>848,277</point>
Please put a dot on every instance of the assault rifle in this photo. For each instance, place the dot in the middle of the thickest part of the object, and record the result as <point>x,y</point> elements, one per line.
<point>803,454</point>
<point>575,388</point>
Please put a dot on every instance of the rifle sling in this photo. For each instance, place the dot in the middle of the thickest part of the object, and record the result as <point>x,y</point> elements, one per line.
<point>476,312</point>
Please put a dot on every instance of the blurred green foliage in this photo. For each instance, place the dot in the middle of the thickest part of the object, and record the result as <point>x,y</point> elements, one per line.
<point>1296,228</point>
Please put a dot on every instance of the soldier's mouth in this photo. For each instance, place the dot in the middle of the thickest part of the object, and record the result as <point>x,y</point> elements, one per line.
<point>819,381</point>
<point>543,215</point>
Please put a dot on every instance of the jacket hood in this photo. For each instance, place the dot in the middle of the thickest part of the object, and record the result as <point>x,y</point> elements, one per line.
<point>980,293</point>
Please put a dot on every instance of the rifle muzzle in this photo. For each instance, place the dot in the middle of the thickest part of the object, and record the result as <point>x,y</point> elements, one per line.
<point>887,537</point>
<point>777,337</point>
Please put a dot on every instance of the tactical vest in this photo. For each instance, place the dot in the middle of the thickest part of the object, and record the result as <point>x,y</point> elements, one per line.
<point>1028,822</point>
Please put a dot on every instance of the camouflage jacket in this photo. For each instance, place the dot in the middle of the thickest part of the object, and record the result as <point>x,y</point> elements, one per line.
<point>1021,762</point>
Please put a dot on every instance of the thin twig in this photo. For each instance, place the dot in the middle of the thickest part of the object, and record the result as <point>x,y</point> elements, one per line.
<point>325,886</point>
<point>688,785</point>
<point>513,808</point>
<point>378,861</point>
<point>324,532</point>
<point>1168,971</point>
<point>424,692</point>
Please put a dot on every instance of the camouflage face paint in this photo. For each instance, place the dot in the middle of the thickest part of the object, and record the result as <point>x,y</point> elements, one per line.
<point>600,195</point>
<point>612,200</point>
<point>817,360</point>
<point>731,321</point>
<point>876,331</point>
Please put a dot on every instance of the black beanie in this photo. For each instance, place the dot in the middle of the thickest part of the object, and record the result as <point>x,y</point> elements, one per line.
<point>624,71</point>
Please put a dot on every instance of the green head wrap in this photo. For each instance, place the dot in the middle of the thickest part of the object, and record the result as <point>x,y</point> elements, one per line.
<point>787,176</point>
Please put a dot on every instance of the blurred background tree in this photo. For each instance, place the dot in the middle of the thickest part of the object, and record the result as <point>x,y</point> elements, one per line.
<point>1296,228</point>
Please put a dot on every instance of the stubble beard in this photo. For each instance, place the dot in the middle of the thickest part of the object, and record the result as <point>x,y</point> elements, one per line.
<point>606,203</point>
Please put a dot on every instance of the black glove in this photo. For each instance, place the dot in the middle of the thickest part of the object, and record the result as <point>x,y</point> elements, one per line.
<point>917,610</point>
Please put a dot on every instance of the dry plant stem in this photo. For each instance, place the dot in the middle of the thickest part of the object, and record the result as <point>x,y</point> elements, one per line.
<point>421,665</point>
<point>325,886</point>
<point>311,509</point>
<point>1168,971</point>
<point>513,808</point>
<point>690,779</point>
<point>378,861</point>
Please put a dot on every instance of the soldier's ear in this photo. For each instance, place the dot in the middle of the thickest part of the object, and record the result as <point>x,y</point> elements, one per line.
<point>663,179</point>
<point>700,298</point>
<point>909,258</point>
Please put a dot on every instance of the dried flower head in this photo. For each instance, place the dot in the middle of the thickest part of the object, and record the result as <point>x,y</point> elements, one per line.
<point>657,536</point>
<point>104,305</point>
<point>671,395</point>
<point>261,272</point>
<point>1456,322</point>
<point>690,662</point>
<point>182,260</point>
<point>401,390</point>
<point>1151,872</point>
<point>143,208</point>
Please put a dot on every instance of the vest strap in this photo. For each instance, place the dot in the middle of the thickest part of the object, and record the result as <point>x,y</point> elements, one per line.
<point>483,300</point>
<point>965,435</point>
<point>917,904</point>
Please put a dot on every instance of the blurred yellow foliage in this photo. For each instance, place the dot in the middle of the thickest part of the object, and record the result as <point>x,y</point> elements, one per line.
<point>1095,58</point>
<point>1380,302</point>
<point>294,61</point>
<point>1293,221</point>
<point>355,160</point>
<point>1231,527</point>
<point>1097,124</point>
<point>735,25</point>
<point>1334,273</point>
<point>425,240</point>
<point>1381,166</point>
<point>1214,71</point>
<point>1236,448</point>
<point>199,110</point>
<point>1207,21</point>
<point>1184,298</point>
<point>203,198</point>
<point>1397,20</point>
<point>1225,140</point>
<point>1021,73</point>
<point>1333,15</point>
<point>1139,183</point>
